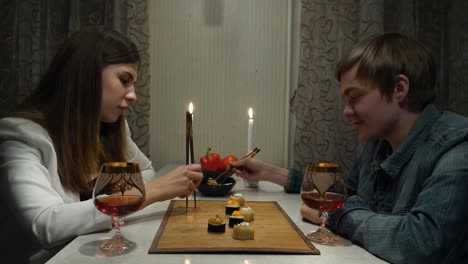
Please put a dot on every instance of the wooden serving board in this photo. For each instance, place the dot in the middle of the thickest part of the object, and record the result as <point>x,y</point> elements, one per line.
<point>183,231</point>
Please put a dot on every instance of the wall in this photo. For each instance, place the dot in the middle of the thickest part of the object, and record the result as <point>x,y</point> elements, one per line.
<point>224,56</point>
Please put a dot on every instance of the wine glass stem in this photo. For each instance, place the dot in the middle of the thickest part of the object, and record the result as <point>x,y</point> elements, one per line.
<point>323,217</point>
<point>118,244</point>
<point>117,222</point>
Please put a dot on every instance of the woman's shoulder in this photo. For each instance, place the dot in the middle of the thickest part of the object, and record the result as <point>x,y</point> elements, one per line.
<point>22,129</point>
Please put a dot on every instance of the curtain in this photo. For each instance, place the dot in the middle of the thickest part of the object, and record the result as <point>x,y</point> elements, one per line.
<point>330,27</point>
<point>31,32</point>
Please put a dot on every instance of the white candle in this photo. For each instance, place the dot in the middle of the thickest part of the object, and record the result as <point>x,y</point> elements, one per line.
<point>250,131</point>
<point>250,139</point>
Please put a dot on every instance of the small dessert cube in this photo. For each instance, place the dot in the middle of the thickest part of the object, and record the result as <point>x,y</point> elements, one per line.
<point>243,231</point>
<point>248,214</point>
<point>238,197</point>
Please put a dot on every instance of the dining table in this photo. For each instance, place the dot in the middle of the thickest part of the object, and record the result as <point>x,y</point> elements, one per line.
<point>143,225</point>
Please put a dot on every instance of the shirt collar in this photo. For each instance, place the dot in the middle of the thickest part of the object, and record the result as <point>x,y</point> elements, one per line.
<point>416,137</point>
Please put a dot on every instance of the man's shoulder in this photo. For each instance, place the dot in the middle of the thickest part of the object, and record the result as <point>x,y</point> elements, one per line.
<point>453,119</point>
<point>450,126</point>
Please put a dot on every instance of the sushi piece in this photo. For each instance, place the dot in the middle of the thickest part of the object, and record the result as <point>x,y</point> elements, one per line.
<point>248,214</point>
<point>238,197</point>
<point>216,225</point>
<point>212,182</point>
<point>232,206</point>
<point>243,231</point>
<point>235,218</point>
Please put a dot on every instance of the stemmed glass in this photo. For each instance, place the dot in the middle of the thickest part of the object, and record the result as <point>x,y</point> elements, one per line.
<point>323,189</point>
<point>119,191</point>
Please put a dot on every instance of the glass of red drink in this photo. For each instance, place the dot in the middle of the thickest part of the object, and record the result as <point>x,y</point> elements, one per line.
<point>323,189</point>
<point>119,191</point>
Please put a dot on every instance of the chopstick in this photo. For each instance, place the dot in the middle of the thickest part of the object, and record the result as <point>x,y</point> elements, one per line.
<point>229,171</point>
<point>251,153</point>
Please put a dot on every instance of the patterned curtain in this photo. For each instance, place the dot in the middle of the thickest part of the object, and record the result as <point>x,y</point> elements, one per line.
<point>31,32</point>
<point>330,27</point>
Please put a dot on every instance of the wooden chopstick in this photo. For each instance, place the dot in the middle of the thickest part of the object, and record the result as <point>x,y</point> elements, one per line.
<point>251,153</point>
<point>229,171</point>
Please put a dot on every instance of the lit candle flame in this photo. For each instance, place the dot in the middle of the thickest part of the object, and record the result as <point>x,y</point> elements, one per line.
<point>250,113</point>
<point>190,108</point>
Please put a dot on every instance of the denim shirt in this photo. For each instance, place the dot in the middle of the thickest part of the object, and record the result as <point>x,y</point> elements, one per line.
<point>409,207</point>
<point>294,182</point>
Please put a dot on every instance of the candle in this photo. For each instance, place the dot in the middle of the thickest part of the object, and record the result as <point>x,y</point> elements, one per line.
<point>250,131</point>
<point>250,136</point>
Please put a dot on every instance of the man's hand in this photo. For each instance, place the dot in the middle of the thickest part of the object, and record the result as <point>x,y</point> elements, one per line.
<point>310,214</point>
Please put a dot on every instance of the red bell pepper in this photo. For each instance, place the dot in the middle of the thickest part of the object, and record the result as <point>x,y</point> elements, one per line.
<point>211,161</point>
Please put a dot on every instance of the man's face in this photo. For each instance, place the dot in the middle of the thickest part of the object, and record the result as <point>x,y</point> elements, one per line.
<point>372,115</point>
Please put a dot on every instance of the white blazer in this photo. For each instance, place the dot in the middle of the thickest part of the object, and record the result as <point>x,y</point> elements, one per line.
<point>38,214</point>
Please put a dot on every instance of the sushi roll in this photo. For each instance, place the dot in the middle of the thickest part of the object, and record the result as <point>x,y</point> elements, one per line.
<point>238,197</point>
<point>243,231</point>
<point>232,206</point>
<point>235,218</point>
<point>248,214</point>
<point>216,225</point>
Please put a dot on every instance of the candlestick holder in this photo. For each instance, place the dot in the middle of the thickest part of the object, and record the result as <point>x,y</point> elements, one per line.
<point>250,184</point>
<point>189,159</point>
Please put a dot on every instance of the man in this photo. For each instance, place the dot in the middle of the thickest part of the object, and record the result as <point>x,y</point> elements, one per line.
<point>408,186</point>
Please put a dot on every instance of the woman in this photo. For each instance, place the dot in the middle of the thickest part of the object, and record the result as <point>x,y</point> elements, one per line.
<point>52,146</point>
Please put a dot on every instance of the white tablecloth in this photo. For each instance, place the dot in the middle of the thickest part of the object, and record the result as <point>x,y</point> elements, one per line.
<point>142,226</point>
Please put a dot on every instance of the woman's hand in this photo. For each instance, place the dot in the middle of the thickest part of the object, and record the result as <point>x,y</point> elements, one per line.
<point>180,182</point>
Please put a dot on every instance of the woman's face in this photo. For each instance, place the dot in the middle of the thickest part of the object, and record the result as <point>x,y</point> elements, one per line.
<point>118,90</point>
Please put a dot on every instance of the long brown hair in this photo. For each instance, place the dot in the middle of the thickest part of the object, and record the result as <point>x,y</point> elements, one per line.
<point>67,103</point>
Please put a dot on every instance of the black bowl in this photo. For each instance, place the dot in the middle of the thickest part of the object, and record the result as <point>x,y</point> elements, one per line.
<point>210,175</point>
<point>215,189</point>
